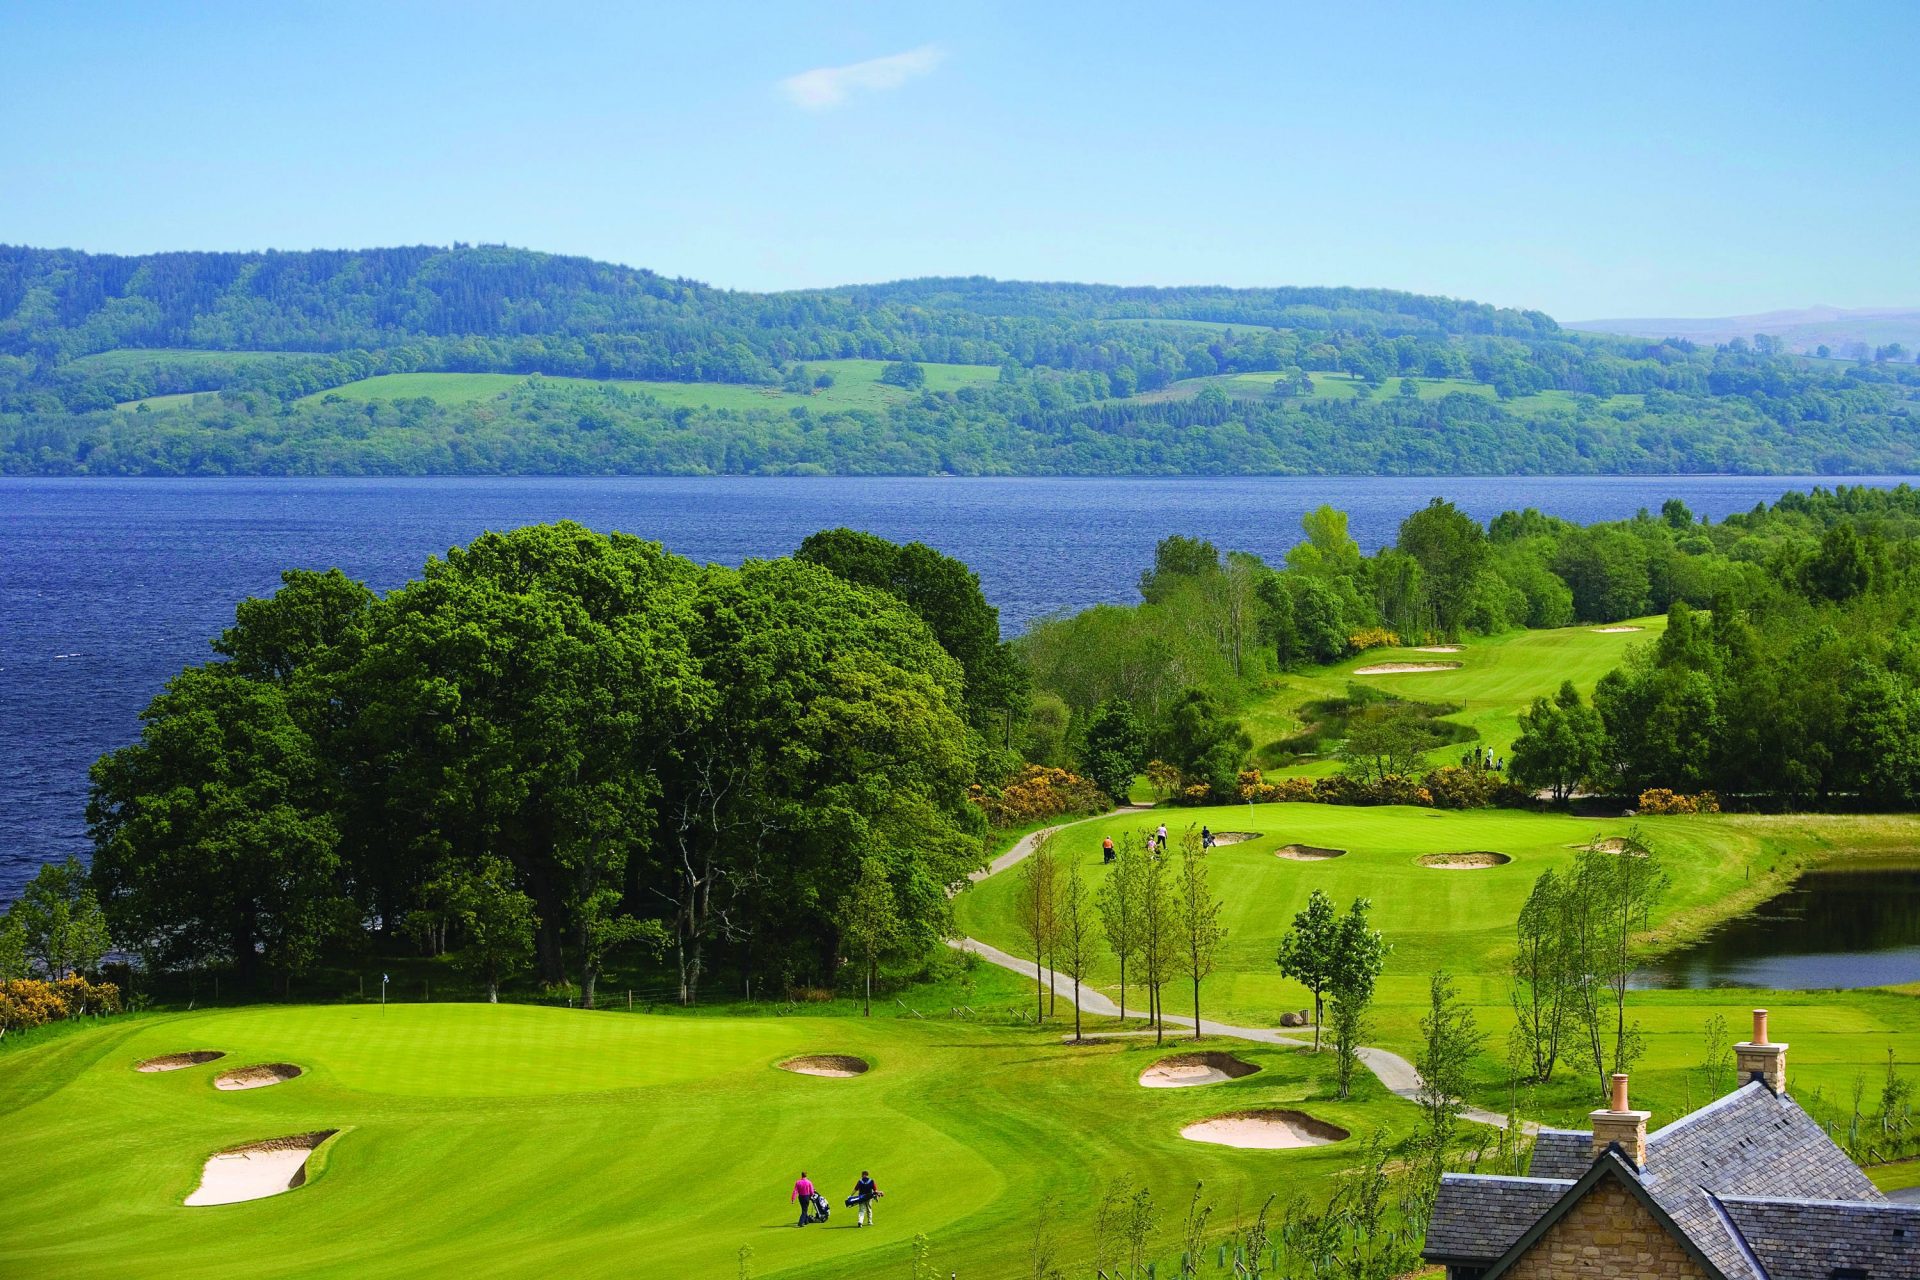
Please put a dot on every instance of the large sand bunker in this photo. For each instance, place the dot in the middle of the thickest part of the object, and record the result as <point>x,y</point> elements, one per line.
<point>1404,668</point>
<point>257,1170</point>
<point>1613,631</point>
<point>1184,1070</point>
<point>838,1065</point>
<point>1307,852</point>
<point>1265,1130</point>
<point>258,1076</point>
<point>1473,861</point>
<point>179,1061</point>
<point>1222,838</point>
<point>1437,648</point>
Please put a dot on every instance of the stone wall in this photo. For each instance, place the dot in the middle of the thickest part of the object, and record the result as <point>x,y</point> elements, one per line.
<point>1607,1234</point>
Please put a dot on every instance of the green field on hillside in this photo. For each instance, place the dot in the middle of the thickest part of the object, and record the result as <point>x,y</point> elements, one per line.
<point>1462,920</point>
<point>511,1140</point>
<point>856,385</point>
<point>1497,679</point>
<point>169,401</point>
<point>143,357</point>
<point>1344,386</point>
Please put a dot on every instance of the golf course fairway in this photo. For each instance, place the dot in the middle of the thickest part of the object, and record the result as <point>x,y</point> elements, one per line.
<point>517,1140</point>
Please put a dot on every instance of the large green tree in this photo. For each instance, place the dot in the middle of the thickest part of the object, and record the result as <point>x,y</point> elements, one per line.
<point>211,844</point>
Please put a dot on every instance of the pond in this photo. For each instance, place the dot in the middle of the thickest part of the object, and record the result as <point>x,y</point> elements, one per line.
<point>1839,927</point>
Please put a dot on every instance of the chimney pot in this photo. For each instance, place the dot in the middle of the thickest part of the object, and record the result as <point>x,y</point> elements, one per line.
<point>1759,1026</point>
<point>1620,1092</point>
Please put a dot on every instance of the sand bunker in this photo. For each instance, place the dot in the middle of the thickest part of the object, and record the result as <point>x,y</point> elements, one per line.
<point>256,1077</point>
<point>1184,1070</point>
<point>1615,845</point>
<point>1404,668</point>
<point>1307,852</point>
<point>257,1170</point>
<point>1613,631</point>
<point>178,1061</point>
<point>1265,1130</point>
<point>1233,837</point>
<point>838,1065</point>
<point>1437,648</point>
<point>1463,861</point>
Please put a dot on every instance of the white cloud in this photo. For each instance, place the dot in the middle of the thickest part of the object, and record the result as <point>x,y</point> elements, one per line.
<point>824,87</point>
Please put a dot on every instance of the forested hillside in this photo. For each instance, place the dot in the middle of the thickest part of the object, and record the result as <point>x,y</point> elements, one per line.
<point>223,362</point>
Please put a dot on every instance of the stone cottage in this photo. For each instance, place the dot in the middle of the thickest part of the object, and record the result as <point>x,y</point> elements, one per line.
<point>1748,1187</point>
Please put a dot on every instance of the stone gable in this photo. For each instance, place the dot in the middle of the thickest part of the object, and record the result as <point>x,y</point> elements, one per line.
<point>1605,1235</point>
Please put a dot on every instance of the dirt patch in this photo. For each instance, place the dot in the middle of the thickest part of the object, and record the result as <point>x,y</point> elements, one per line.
<point>180,1061</point>
<point>257,1170</point>
<point>1437,648</point>
<point>1222,838</point>
<point>1307,852</point>
<point>1184,1070</point>
<point>1613,631</point>
<point>1265,1130</point>
<point>837,1065</point>
<point>1473,861</point>
<point>1404,668</point>
<point>258,1076</point>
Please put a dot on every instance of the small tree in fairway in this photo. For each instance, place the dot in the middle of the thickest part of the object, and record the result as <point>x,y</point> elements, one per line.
<point>870,922</point>
<point>1360,953</point>
<point>1037,915</point>
<point>1200,930</point>
<point>1075,947</point>
<point>1307,952</point>
<point>1118,902</point>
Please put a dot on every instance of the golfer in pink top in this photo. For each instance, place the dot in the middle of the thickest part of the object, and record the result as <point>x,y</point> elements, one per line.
<point>803,1192</point>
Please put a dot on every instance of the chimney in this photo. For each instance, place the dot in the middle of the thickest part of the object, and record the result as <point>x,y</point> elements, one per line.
<point>1758,1059</point>
<point>1619,1123</point>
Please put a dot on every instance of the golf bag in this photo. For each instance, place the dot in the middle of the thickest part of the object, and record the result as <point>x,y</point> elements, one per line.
<point>820,1207</point>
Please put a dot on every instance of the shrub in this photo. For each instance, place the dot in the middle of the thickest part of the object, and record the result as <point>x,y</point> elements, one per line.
<point>1373,638</point>
<point>1165,778</point>
<point>1035,793</point>
<point>1662,801</point>
<point>1197,793</point>
<point>30,1002</point>
<point>1453,787</point>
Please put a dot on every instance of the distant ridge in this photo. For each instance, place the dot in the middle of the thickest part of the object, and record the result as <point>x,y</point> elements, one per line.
<point>1804,329</point>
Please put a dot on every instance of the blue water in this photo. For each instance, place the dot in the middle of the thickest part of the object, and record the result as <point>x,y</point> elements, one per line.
<point>107,587</point>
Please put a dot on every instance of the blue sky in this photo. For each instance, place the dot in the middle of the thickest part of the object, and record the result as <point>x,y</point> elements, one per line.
<point>1589,160</point>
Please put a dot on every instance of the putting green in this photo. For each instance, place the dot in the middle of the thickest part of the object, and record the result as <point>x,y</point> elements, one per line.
<point>513,1140</point>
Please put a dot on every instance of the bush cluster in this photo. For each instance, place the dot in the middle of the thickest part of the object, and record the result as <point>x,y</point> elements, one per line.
<point>32,1002</point>
<point>1373,638</point>
<point>1660,800</point>
<point>1446,788</point>
<point>1035,793</point>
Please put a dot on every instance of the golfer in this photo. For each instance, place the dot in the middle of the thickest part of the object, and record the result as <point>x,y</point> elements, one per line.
<point>864,1194</point>
<point>803,1192</point>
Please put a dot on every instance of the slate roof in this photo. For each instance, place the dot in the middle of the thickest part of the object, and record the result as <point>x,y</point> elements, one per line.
<point>1751,1143</point>
<point>1561,1153</point>
<point>1752,1159</point>
<point>1812,1239</point>
<point>1477,1218</point>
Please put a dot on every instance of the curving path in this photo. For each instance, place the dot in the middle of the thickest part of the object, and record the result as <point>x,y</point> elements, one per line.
<point>1393,1071</point>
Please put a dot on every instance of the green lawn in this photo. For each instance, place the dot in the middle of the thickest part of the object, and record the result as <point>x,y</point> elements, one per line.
<point>1498,678</point>
<point>511,1140</point>
<point>163,402</point>
<point>140,357</point>
<point>856,386</point>
<point>1344,386</point>
<point>1463,921</point>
